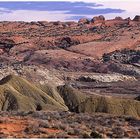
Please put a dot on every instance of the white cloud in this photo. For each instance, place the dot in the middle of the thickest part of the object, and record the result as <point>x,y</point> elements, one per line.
<point>31,15</point>
<point>132,8</point>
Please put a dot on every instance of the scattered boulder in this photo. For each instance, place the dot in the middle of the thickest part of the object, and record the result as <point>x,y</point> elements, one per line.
<point>66,42</point>
<point>43,23</point>
<point>98,19</point>
<point>6,44</point>
<point>125,56</point>
<point>83,21</point>
<point>118,18</point>
<point>128,19</point>
<point>86,79</point>
<point>57,23</point>
<point>136,18</point>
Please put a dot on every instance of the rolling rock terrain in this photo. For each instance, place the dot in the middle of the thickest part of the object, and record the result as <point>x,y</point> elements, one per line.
<point>70,79</point>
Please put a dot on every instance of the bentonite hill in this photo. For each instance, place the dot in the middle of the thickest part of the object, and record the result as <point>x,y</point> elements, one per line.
<point>70,79</point>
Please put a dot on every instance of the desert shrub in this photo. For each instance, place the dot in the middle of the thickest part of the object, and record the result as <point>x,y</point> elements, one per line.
<point>63,126</point>
<point>70,132</point>
<point>32,130</point>
<point>129,118</point>
<point>44,124</point>
<point>62,135</point>
<point>51,136</point>
<point>85,135</point>
<point>95,134</point>
<point>55,126</point>
<point>110,134</point>
<point>77,131</point>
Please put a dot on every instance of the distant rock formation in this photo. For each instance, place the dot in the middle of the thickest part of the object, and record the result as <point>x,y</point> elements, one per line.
<point>128,19</point>
<point>83,21</point>
<point>118,18</point>
<point>125,56</point>
<point>136,18</point>
<point>6,44</point>
<point>98,19</point>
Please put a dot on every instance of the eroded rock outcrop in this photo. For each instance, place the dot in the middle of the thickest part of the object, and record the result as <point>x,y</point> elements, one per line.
<point>83,21</point>
<point>124,56</point>
<point>118,18</point>
<point>6,44</point>
<point>98,19</point>
<point>137,18</point>
<point>79,102</point>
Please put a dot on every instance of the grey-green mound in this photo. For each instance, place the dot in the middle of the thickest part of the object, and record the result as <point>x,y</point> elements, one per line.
<point>72,97</point>
<point>51,90</point>
<point>79,102</point>
<point>18,94</point>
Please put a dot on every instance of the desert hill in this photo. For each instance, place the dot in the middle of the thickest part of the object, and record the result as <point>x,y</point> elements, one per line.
<point>71,46</point>
<point>17,94</point>
<point>79,102</point>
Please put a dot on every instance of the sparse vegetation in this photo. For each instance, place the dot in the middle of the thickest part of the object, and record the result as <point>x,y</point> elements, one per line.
<point>70,79</point>
<point>35,127</point>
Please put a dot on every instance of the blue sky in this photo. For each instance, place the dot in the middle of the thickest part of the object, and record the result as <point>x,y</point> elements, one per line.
<point>67,9</point>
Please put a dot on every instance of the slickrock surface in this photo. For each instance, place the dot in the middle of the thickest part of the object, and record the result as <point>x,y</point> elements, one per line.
<point>68,45</point>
